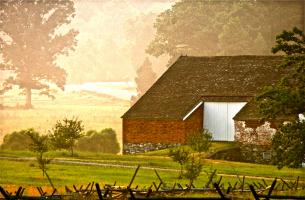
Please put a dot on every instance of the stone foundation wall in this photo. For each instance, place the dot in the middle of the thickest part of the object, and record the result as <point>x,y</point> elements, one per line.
<point>130,148</point>
<point>260,135</point>
<point>255,141</point>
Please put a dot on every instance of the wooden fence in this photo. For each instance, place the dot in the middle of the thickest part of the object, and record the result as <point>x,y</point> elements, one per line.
<point>256,190</point>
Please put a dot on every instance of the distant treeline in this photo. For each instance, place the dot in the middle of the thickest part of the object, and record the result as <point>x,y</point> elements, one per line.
<point>104,141</point>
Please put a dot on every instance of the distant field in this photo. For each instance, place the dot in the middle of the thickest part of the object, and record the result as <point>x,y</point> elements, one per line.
<point>96,111</point>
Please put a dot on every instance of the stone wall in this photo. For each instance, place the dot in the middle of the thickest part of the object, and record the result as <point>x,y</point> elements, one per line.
<point>255,141</point>
<point>130,148</point>
<point>260,135</point>
<point>139,132</point>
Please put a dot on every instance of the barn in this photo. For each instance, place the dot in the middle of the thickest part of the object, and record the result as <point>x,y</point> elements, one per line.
<point>196,93</point>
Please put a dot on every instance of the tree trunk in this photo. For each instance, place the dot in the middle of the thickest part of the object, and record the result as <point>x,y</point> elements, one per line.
<point>28,102</point>
<point>49,179</point>
<point>181,172</point>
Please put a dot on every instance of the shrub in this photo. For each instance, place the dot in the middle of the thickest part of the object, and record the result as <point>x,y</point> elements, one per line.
<point>40,145</point>
<point>104,141</point>
<point>181,156</point>
<point>193,169</point>
<point>200,141</point>
<point>17,140</point>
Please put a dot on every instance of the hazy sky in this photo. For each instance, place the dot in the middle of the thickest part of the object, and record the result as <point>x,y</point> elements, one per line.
<point>113,35</point>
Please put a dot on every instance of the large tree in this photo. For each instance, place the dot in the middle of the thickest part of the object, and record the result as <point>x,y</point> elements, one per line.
<point>30,41</point>
<point>287,98</point>
<point>208,28</point>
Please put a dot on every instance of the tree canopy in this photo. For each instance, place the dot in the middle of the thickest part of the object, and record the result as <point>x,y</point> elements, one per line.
<point>65,134</point>
<point>104,141</point>
<point>145,78</point>
<point>287,98</point>
<point>209,28</point>
<point>17,140</point>
<point>30,41</point>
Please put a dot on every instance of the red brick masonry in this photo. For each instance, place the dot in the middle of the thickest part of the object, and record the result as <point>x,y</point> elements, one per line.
<point>167,131</point>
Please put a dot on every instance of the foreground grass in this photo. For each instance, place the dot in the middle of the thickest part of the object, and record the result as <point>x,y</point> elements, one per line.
<point>165,162</point>
<point>27,173</point>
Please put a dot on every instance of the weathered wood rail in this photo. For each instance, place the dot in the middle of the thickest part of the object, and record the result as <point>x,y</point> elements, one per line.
<point>162,191</point>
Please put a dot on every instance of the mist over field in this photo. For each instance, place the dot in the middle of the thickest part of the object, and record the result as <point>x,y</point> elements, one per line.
<point>93,59</point>
<point>111,41</point>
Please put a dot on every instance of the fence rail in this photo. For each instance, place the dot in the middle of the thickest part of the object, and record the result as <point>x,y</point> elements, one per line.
<point>258,190</point>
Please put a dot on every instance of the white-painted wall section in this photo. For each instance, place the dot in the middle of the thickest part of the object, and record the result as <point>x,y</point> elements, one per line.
<point>218,119</point>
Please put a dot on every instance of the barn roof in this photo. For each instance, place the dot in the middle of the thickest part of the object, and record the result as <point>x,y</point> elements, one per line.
<point>250,112</point>
<point>193,79</point>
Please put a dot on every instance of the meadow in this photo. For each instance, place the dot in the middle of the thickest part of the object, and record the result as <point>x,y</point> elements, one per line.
<point>97,112</point>
<point>26,172</point>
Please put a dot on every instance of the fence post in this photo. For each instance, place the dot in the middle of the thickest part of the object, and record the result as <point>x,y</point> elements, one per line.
<point>254,192</point>
<point>133,177</point>
<point>6,196</point>
<point>131,194</point>
<point>219,191</point>
<point>211,178</point>
<point>99,192</point>
<point>272,187</point>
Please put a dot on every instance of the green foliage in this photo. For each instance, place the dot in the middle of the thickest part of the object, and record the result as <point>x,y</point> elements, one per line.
<point>289,145</point>
<point>32,60</point>
<point>104,141</point>
<point>208,28</point>
<point>40,145</point>
<point>200,141</point>
<point>180,155</point>
<point>193,168</point>
<point>65,134</point>
<point>17,140</point>
<point>287,98</point>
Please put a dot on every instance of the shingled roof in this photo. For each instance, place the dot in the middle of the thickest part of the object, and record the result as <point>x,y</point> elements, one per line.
<point>250,112</point>
<point>193,79</point>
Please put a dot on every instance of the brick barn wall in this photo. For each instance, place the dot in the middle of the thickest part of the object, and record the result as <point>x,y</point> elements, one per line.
<point>194,122</point>
<point>140,131</point>
<point>152,131</point>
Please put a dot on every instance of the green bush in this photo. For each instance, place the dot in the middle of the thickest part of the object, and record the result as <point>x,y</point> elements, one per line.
<point>200,141</point>
<point>193,168</point>
<point>180,155</point>
<point>66,133</point>
<point>104,141</point>
<point>17,140</point>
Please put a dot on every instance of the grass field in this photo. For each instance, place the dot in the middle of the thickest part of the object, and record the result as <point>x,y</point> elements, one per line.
<point>26,173</point>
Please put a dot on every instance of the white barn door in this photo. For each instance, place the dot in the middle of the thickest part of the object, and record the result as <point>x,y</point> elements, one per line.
<point>218,119</point>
